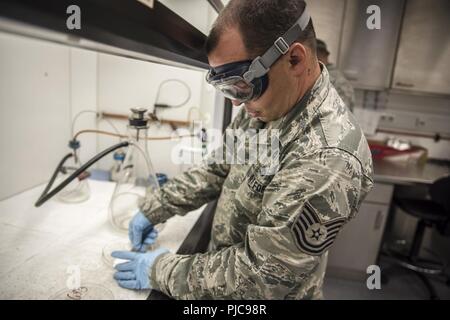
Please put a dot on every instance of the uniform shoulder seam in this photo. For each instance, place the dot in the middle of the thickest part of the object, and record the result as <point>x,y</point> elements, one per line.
<point>352,155</point>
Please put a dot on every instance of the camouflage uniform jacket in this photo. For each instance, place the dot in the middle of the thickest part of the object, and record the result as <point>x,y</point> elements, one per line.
<point>270,233</point>
<point>342,85</point>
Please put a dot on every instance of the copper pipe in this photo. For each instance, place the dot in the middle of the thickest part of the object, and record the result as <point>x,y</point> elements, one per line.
<point>173,123</point>
<point>124,136</point>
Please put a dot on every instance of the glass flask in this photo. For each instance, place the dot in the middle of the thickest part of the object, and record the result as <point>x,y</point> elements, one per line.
<point>136,178</point>
<point>78,189</point>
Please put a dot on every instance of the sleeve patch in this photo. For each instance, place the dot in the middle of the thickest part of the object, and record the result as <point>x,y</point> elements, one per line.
<point>312,236</point>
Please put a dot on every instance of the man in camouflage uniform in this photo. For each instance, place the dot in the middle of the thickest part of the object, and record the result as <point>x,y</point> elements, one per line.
<point>337,79</point>
<point>271,230</point>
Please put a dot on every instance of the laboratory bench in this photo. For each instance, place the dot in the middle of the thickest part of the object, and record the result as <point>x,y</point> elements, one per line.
<point>43,250</point>
<point>359,243</point>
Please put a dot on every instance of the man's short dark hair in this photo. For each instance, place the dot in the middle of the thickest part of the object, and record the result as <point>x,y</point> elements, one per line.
<point>260,23</point>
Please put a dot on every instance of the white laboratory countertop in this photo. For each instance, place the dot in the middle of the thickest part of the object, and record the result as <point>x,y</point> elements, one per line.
<point>40,247</point>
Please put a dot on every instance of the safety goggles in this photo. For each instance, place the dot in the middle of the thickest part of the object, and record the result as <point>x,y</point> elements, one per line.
<point>248,80</point>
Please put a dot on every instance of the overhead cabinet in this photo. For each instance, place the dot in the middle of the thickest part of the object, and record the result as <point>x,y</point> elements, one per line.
<point>367,55</point>
<point>423,59</point>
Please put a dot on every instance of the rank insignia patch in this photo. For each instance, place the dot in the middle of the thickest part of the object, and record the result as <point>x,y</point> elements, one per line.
<point>313,236</point>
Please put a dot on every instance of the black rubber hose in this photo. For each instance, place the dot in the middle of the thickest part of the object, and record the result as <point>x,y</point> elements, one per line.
<point>55,174</point>
<point>44,197</point>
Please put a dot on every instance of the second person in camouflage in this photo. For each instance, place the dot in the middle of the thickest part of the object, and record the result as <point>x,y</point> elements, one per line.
<point>337,78</point>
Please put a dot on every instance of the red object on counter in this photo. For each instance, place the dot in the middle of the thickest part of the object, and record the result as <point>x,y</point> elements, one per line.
<point>380,150</point>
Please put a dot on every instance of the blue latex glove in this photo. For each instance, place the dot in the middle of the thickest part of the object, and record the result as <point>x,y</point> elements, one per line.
<point>134,274</point>
<point>141,232</point>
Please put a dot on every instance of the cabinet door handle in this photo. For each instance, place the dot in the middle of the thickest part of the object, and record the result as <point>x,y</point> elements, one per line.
<point>404,85</point>
<point>378,220</point>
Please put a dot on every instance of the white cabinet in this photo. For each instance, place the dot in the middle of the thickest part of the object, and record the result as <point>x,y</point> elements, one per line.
<point>423,58</point>
<point>415,121</point>
<point>399,120</point>
<point>367,55</point>
<point>357,245</point>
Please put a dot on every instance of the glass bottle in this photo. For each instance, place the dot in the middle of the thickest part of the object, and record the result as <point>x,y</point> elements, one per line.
<point>136,178</point>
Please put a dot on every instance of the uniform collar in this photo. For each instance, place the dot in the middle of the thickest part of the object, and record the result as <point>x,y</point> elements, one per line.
<point>297,119</point>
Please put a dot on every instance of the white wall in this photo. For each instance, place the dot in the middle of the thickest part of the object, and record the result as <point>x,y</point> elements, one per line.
<point>83,96</point>
<point>42,85</point>
<point>34,104</point>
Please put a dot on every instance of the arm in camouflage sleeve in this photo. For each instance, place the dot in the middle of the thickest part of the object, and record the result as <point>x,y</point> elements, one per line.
<point>188,191</point>
<point>304,207</point>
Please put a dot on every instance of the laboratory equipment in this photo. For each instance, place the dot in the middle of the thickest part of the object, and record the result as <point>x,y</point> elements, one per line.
<point>162,178</point>
<point>119,157</point>
<point>78,189</point>
<point>136,179</point>
<point>159,105</point>
<point>47,194</point>
<point>74,179</point>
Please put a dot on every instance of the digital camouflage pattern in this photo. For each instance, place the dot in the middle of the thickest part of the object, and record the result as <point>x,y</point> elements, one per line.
<point>342,85</point>
<point>270,234</point>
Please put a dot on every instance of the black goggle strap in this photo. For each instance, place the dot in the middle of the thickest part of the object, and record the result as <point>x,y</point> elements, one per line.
<point>261,65</point>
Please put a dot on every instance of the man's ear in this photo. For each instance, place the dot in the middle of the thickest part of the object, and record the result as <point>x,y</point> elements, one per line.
<point>297,58</point>
<point>294,61</point>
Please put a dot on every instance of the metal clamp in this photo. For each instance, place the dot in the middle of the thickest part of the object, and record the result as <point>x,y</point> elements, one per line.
<point>281,45</point>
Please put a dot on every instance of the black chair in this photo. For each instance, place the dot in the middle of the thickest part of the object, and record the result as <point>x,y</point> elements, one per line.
<point>434,213</point>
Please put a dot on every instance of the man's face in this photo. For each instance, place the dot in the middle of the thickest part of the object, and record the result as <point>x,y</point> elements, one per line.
<point>267,107</point>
